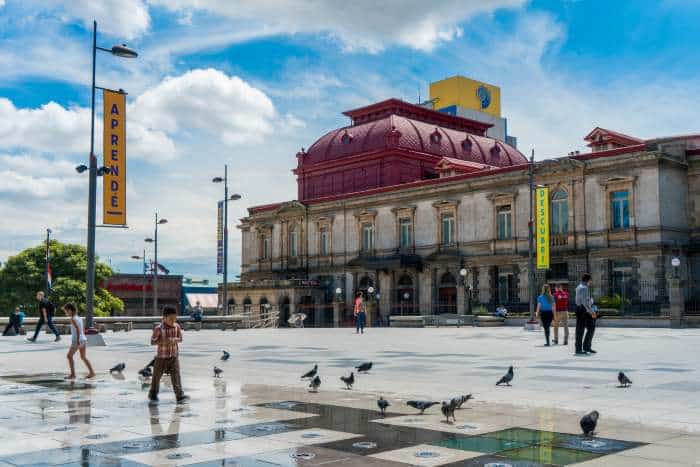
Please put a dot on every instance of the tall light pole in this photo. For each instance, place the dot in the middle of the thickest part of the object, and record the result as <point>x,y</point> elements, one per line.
<point>143,286</point>
<point>119,51</point>
<point>154,240</point>
<point>531,240</point>
<point>233,197</point>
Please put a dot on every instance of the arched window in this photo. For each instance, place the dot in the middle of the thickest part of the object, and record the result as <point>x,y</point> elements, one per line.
<point>405,281</point>
<point>247,304</point>
<point>264,307</point>
<point>448,279</point>
<point>560,212</point>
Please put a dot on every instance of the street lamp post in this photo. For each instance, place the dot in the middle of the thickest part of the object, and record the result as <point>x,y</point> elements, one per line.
<point>143,286</point>
<point>233,197</point>
<point>119,51</point>
<point>154,240</point>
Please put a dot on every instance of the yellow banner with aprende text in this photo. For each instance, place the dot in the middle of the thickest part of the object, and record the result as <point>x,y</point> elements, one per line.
<point>114,154</point>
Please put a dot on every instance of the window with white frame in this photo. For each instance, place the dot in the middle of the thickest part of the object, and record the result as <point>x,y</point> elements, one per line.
<point>324,241</point>
<point>367,237</point>
<point>293,242</point>
<point>619,210</point>
<point>560,212</point>
<point>265,247</point>
<point>405,237</point>
<point>504,222</point>
<point>448,229</point>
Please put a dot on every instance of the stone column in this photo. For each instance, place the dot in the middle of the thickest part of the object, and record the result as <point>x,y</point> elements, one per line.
<point>336,314</point>
<point>676,305</point>
<point>461,301</point>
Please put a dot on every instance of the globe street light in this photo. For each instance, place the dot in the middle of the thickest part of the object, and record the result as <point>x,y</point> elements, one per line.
<point>118,51</point>
<point>234,197</point>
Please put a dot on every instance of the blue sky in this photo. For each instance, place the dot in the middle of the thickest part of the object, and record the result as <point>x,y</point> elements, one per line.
<point>249,82</point>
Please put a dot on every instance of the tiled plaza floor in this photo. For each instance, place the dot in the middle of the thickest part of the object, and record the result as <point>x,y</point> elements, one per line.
<point>260,413</point>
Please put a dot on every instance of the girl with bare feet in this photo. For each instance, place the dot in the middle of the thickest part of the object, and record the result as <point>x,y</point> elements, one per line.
<point>78,341</point>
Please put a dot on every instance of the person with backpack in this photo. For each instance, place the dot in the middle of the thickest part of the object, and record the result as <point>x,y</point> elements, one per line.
<point>46,311</point>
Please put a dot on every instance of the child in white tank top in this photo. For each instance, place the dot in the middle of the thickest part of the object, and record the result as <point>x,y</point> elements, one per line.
<point>78,341</point>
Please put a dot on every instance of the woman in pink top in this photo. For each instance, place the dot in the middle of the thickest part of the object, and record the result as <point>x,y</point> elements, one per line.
<point>360,315</point>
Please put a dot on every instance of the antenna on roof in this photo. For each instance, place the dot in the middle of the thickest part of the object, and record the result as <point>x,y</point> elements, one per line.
<point>419,94</point>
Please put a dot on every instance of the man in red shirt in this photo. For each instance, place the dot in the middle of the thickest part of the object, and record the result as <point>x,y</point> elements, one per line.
<point>561,315</point>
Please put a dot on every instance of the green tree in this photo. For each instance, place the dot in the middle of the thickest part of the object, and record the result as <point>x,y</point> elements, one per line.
<point>23,275</point>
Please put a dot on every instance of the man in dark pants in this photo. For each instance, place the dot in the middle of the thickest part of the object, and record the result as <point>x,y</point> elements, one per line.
<point>46,310</point>
<point>585,317</point>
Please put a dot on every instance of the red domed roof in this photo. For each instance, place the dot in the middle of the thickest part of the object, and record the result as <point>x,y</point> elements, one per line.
<point>441,135</point>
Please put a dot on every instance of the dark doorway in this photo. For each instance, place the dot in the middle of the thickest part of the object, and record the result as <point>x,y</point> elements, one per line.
<point>284,312</point>
<point>447,294</point>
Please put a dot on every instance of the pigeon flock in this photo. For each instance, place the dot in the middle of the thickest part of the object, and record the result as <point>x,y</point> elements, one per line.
<point>448,407</point>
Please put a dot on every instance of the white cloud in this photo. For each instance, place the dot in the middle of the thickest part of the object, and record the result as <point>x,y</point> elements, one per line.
<point>125,19</point>
<point>224,107</point>
<point>358,25</point>
<point>34,177</point>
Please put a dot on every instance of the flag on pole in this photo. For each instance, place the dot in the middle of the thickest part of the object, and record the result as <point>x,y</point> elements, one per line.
<point>48,275</point>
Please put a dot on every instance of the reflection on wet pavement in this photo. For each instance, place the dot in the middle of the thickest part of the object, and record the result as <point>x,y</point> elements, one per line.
<point>49,421</point>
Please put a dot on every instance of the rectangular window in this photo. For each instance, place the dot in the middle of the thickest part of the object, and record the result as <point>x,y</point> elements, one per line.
<point>325,242</point>
<point>405,240</point>
<point>448,229</point>
<point>620,209</point>
<point>504,223</point>
<point>265,247</point>
<point>293,243</point>
<point>367,237</point>
<point>560,215</point>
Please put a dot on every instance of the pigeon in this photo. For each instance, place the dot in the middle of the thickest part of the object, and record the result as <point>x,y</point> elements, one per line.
<point>588,423</point>
<point>311,373</point>
<point>348,380</point>
<point>460,400</point>
<point>217,372</point>
<point>146,372</point>
<point>382,404</point>
<point>625,382</point>
<point>421,405</point>
<point>225,356</point>
<point>364,368</point>
<point>118,368</point>
<point>315,384</point>
<point>507,378</point>
<point>448,409</point>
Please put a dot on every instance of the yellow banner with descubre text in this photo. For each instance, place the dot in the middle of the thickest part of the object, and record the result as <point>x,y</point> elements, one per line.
<point>542,226</point>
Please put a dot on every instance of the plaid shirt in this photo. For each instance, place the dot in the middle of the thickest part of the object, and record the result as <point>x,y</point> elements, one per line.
<point>166,338</point>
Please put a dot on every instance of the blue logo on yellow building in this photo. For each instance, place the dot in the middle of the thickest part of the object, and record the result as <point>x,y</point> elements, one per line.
<point>484,96</point>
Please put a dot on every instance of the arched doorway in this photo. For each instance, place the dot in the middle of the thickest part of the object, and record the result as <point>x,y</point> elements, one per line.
<point>306,306</point>
<point>247,305</point>
<point>405,297</point>
<point>264,308</point>
<point>365,283</point>
<point>447,294</point>
<point>231,307</point>
<point>285,305</point>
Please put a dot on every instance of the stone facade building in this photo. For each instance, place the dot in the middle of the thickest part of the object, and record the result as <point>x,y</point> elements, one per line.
<point>405,198</point>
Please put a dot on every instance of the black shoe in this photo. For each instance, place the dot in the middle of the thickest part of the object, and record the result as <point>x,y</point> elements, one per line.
<point>29,339</point>
<point>546,345</point>
<point>183,400</point>
<point>566,342</point>
<point>591,351</point>
<point>152,400</point>
<point>580,354</point>
<point>555,342</point>
<point>58,338</point>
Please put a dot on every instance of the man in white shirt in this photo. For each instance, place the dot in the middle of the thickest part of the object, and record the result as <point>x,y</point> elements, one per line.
<point>585,317</point>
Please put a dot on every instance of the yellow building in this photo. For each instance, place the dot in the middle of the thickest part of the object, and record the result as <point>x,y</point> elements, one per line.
<point>459,91</point>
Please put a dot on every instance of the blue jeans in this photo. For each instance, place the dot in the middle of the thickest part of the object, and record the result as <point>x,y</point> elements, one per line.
<point>360,321</point>
<point>49,323</point>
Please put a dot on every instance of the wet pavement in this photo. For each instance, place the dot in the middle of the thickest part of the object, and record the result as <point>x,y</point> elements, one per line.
<point>46,420</point>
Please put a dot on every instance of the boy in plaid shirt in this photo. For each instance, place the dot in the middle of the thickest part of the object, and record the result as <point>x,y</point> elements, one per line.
<point>166,336</point>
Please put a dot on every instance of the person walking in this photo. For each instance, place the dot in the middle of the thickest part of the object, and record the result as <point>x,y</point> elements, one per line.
<point>561,315</point>
<point>14,321</point>
<point>585,317</point>
<point>360,314</point>
<point>78,341</point>
<point>545,310</point>
<point>197,313</point>
<point>46,310</point>
<point>166,336</point>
